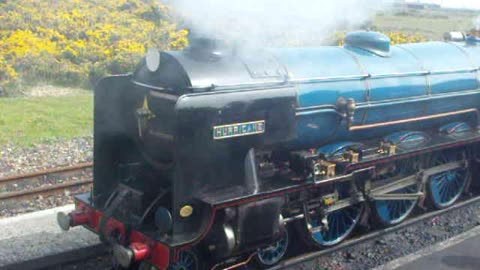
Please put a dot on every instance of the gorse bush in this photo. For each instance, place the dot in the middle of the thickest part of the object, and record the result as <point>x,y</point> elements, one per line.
<point>74,42</point>
<point>402,37</point>
<point>395,38</point>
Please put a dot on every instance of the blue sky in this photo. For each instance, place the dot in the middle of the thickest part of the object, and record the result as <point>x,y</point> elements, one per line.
<point>453,3</point>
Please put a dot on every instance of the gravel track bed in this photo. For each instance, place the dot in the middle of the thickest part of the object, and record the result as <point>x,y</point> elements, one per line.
<point>99,263</point>
<point>10,208</point>
<point>38,182</point>
<point>15,161</point>
<point>370,254</point>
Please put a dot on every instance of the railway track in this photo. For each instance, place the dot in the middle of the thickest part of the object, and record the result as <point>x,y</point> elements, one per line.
<point>46,182</point>
<point>294,261</point>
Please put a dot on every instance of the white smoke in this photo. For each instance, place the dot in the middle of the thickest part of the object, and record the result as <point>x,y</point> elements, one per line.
<point>476,23</point>
<point>275,22</point>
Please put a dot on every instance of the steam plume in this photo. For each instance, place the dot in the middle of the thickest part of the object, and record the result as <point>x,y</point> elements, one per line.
<point>476,23</point>
<point>275,22</point>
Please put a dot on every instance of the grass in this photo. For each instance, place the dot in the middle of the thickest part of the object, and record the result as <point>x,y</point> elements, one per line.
<point>26,121</point>
<point>431,24</point>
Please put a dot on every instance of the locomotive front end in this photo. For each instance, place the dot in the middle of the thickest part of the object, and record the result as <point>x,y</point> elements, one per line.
<point>168,147</point>
<point>131,203</point>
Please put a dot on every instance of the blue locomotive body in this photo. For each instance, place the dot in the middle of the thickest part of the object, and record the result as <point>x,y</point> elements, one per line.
<point>388,83</point>
<point>408,81</point>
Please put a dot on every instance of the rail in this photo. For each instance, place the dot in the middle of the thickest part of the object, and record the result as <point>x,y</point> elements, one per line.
<point>293,261</point>
<point>44,188</point>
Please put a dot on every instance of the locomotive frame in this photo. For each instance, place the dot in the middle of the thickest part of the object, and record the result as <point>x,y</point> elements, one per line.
<point>357,173</point>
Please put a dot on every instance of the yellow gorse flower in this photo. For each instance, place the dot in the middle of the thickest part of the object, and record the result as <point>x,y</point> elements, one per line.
<point>395,37</point>
<point>75,40</point>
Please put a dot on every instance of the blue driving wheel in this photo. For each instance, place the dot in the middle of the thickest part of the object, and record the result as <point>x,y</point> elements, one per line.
<point>446,187</point>
<point>392,212</point>
<point>274,253</point>
<point>187,261</point>
<point>340,225</point>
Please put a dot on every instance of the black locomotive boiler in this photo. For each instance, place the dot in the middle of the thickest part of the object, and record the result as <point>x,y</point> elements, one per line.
<point>204,157</point>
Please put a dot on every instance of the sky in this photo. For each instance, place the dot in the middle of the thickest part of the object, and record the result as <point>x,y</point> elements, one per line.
<point>475,4</point>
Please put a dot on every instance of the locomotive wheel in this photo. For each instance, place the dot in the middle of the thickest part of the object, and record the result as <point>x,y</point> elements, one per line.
<point>274,253</point>
<point>445,188</point>
<point>146,266</point>
<point>392,212</point>
<point>187,261</point>
<point>340,225</point>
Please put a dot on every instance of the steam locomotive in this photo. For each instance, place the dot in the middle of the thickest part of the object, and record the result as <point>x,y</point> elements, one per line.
<point>205,157</point>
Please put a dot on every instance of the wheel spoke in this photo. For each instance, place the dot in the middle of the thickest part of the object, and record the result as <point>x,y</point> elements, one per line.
<point>274,253</point>
<point>391,212</point>
<point>446,187</point>
<point>340,225</point>
<point>187,261</point>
